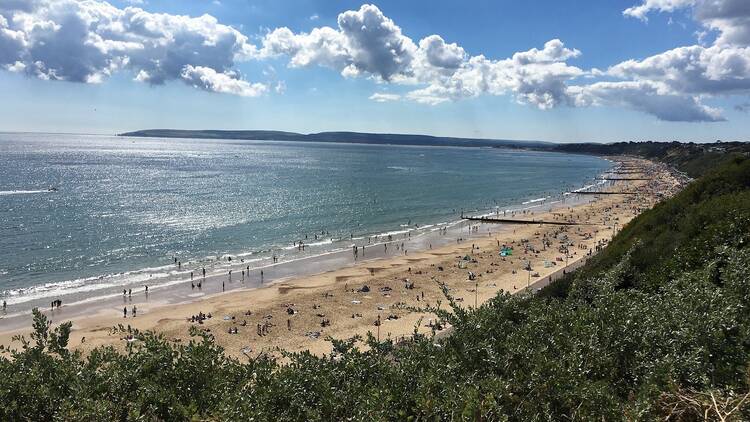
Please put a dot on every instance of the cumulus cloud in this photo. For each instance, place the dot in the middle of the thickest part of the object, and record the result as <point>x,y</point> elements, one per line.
<point>434,59</point>
<point>730,18</point>
<point>322,46</point>
<point>670,86</point>
<point>366,42</point>
<point>208,79</point>
<point>384,97</point>
<point>439,54</point>
<point>536,77</point>
<point>647,97</point>
<point>695,72</point>
<point>642,10</point>
<point>87,41</point>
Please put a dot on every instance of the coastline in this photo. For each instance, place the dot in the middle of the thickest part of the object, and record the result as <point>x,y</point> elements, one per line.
<point>115,251</point>
<point>332,290</point>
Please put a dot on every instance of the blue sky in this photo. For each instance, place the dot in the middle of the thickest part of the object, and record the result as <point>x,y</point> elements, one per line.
<point>582,70</point>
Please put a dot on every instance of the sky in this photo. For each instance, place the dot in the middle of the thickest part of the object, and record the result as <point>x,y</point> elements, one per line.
<point>555,70</point>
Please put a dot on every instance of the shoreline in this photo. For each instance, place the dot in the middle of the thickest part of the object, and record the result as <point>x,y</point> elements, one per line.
<point>172,279</point>
<point>303,293</point>
<point>90,289</point>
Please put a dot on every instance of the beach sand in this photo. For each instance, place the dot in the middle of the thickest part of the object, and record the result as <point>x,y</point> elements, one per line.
<point>293,310</point>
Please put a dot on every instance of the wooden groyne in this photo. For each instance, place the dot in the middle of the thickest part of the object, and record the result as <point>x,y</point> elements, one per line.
<point>514,221</point>
<point>603,193</point>
<point>625,178</point>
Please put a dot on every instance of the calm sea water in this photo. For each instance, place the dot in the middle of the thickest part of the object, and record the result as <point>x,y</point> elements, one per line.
<point>124,208</point>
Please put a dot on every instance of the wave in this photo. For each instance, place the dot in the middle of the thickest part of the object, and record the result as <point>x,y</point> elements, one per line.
<point>585,188</point>
<point>22,192</point>
<point>531,201</point>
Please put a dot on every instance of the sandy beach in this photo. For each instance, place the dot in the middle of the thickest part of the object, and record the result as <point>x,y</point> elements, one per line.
<point>300,313</point>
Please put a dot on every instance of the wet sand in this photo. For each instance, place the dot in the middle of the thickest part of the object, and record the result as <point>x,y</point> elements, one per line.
<point>294,308</point>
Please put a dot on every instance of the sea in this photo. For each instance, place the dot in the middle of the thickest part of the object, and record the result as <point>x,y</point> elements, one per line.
<point>83,217</point>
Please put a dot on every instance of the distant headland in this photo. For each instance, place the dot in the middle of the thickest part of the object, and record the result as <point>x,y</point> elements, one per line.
<point>338,137</point>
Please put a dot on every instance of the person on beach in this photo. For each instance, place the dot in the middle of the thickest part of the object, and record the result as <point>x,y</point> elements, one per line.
<point>5,305</point>
<point>204,272</point>
<point>125,312</point>
<point>261,276</point>
<point>191,276</point>
<point>222,286</point>
<point>130,292</point>
<point>134,311</point>
<point>146,289</point>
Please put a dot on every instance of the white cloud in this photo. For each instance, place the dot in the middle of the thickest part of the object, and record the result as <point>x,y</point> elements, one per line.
<point>366,42</point>
<point>314,17</point>
<point>439,54</point>
<point>536,77</point>
<point>88,40</point>
<point>695,72</point>
<point>642,10</point>
<point>435,59</point>
<point>384,97</point>
<point>730,18</point>
<point>553,51</point>
<point>208,79</point>
<point>322,46</point>
<point>647,97</point>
